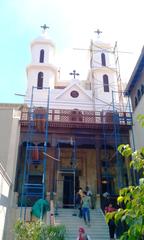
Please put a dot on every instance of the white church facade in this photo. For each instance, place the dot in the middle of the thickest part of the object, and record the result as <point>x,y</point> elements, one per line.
<point>86,122</point>
<point>69,131</point>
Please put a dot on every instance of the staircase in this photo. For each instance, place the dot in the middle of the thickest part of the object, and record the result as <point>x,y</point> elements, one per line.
<point>97,231</point>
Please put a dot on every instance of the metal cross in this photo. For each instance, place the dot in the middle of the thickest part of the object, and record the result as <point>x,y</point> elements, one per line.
<point>74,73</point>
<point>98,32</point>
<point>44,27</point>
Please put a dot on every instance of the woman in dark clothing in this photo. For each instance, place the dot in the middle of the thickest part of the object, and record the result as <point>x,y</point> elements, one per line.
<point>111,223</point>
<point>78,201</point>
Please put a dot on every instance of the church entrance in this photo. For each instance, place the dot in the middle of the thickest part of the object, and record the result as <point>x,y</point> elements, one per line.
<point>70,187</point>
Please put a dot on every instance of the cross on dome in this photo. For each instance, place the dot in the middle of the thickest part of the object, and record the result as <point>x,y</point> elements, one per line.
<point>98,32</point>
<point>44,27</point>
<point>74,73</point>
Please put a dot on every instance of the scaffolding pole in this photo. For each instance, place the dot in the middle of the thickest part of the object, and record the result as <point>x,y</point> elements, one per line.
<point>118,75</point>
<point>31,190</point>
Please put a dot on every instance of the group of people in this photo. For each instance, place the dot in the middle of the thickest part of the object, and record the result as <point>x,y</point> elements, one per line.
<point>83,204</point>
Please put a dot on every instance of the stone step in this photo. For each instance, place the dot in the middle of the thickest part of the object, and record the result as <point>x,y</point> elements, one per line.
<point>97,231</point>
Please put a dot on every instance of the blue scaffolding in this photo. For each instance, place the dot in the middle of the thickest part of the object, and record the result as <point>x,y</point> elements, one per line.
<point>32,190</point>
<point>122,116</point>
<point>115,123</point>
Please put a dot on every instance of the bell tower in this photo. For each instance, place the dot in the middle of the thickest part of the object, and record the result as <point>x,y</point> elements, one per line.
<point>41,73</point>
<point>102,74</point>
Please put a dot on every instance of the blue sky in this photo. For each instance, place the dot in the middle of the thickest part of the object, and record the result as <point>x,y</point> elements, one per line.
<point>71,26</point>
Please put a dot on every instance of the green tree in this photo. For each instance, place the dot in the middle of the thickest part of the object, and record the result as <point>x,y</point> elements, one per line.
<point>131,199</point>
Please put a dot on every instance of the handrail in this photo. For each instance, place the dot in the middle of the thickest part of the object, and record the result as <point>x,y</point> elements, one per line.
<point>76,116</point>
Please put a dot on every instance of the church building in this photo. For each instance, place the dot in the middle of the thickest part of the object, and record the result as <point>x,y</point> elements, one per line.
<point>70,131</point>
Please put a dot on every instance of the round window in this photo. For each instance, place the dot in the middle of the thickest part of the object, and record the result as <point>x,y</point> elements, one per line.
<point>74,94</point>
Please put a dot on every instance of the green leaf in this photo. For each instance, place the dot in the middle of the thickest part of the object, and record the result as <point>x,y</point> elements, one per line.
<point>142,150</point>
<point>141,181</point>
<point>125,150</point>
<point>120,199</point>
<point>140,119</point>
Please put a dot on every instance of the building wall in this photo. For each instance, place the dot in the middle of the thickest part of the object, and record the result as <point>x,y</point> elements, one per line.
<point>137,136</point>
<point>138,131</point>
<point>135,91</point>
<point>4,193</point>
<point>9,139</point>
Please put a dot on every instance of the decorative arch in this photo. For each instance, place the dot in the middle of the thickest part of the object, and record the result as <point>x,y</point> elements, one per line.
<point>40,80</point>
<point>103,59</point>
<point>106,83</point>
<point>41,59</point>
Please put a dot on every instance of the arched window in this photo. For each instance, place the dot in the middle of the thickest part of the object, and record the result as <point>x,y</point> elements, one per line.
<point>136,101</point>
<point>142,89</point>
<point>103,59</point>
<point>40,80</point>
<point>105,83</point>
<point>41,56</point>
<point>138,94</point>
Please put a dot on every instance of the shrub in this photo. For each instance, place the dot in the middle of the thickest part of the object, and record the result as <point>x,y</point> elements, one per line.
<point>38,231</point>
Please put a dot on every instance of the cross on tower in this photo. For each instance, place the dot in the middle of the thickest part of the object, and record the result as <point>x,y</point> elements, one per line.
<point>98,32</point>
<point>44,27</point>
<point>74,73</point>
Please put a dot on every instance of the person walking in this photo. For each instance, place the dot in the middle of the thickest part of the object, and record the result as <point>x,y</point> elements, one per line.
<point>78,204</point>
<point>79,197</point>
<point>90,194</point>
<point>82,235</point>
<point>111,223</point>
<point>86,204</point>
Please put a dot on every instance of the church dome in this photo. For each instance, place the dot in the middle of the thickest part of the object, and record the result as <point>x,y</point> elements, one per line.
<point>43,39</point>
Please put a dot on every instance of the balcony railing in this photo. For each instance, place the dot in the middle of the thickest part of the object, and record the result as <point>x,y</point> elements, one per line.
<point>75,116</point>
